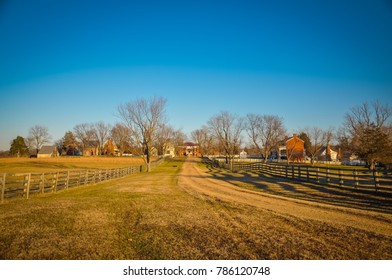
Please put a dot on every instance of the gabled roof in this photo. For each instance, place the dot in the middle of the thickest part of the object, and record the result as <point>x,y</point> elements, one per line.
<point>47,150</point>
<point>295,137</point>
<point>92,144</point>
<point>323,151</point>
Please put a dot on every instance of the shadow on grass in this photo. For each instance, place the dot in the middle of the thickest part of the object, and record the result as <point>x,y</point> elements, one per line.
<point>334,195</point>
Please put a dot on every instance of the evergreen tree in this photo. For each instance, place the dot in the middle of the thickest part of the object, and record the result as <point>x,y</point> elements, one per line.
<point>70,145</point>
<point>19,147</point>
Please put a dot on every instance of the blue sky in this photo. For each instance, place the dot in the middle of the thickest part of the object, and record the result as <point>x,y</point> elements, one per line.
<point>63,63</point>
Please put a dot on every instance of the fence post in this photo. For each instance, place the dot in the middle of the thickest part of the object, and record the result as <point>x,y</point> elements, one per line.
<point>3,187</point>
<point>356,183</point>
<point>42,183</point>
<point>28,185</point>
<point>56,178</point>
<point>292,171</point>
<point>327,176</point>
<point>307,173</point>
<point>376,180</point>
<point>317,175</point>
<point>86,178</point>
<point>67,183</point>
<point>79,178</point>
<point>299,172</point>
<point>341,182</point>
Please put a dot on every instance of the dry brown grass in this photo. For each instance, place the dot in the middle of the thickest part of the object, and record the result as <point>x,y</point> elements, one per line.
<point>159,216</point>
<point>24,165</point>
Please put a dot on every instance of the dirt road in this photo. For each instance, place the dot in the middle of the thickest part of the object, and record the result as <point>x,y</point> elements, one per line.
<point>196,182</point>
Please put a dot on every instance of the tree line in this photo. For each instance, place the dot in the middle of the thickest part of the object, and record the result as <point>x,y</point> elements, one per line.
<point>366,132</point>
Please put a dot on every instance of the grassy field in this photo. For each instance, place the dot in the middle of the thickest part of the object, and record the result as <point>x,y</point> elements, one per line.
<point>149,216</point>
<point>24,165</point>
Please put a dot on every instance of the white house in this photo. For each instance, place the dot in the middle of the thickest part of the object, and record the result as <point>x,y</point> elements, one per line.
<point>327,154</point>
<point>169,150</point>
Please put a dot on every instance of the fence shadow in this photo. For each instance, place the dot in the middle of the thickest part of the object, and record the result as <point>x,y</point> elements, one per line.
<point>288,187</point>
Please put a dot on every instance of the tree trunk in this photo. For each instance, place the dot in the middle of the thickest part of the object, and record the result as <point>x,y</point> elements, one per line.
<point>372,165</point>
<point>231,164</point>
<point>148,166</point>
<point>148,160</point>
<point>265,157</point>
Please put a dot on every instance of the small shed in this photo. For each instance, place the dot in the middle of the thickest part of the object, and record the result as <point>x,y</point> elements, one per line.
<point>48,152</point>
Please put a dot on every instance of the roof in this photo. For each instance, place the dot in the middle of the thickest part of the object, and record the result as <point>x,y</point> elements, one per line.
<point>295,137</point>
<point>323,151</point>
<point>189,144</point>
<point>47,150</point>
<point>92,144</point>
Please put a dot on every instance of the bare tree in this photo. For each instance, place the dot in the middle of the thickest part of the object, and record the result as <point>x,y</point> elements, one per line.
<point>318,139</point>
<point>265,131</point>
<point>227,128</point>
<point>144,117</point>
<point>85,134</point>
<point>165,135</point>
<point>38,136</point>
<point>168,136</point>
<point>121,136</point>
<point>178,138</point>
<point>204,139</point>
<point>102,132</point>
<point>368,131</point>
<point>365,116</point>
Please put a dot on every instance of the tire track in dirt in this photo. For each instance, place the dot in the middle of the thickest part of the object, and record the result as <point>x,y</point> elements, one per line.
<point>197,182</point>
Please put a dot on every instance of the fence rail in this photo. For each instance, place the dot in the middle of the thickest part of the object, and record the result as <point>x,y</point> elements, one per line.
<point>23,185</point>
<point>360,179</point>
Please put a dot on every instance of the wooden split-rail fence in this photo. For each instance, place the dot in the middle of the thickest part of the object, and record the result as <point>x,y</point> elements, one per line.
<point>24,185</point>
<point>360,179</point>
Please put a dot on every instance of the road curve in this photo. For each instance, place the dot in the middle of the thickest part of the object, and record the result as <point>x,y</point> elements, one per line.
<point>196,182</point>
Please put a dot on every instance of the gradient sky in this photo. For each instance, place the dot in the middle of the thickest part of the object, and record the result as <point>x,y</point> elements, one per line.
<point>63,63</point>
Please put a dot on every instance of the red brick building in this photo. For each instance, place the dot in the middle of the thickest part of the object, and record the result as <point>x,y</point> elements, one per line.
<point>189,149</point>
<point>295,149</point>
<point>291,149</point>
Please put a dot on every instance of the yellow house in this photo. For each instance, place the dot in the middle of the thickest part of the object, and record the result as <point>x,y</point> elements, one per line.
<point>48,152</point>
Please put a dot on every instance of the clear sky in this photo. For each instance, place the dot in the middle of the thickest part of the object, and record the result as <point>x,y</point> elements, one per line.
<point>63,63</point>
